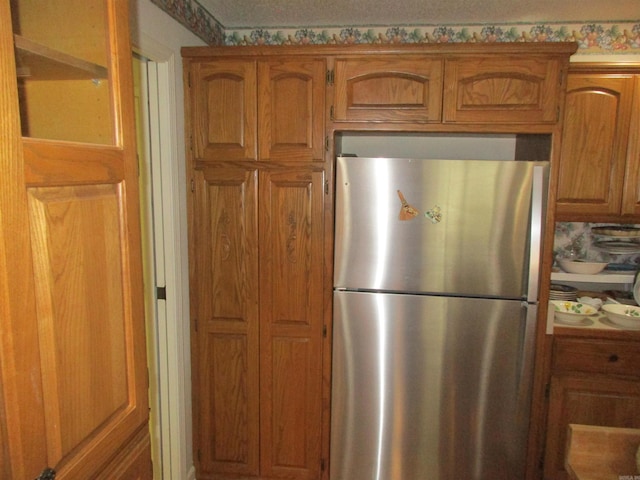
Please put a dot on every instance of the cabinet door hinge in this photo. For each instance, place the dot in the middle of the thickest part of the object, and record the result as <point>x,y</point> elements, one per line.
<point>193,185</point>
<point>326,143</point>
<point>195,324</point>
<point>323,464</point>
<point>547,390</point>
<point>324,331</point>
<point>161,293</point>
<point>331,113</point>
<point>326,187</point>
<point>330,77</point>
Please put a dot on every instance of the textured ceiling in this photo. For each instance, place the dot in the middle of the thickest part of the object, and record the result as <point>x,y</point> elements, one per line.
<point>241,14</point>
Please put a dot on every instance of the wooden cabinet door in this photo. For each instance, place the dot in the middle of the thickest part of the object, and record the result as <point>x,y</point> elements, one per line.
<point>291,323</point>
<point>631,192</point>
<point>72,349</point>
<point>588,400</point>
<point>223,109</point>
<point>594,145</point>
<point>224,304</point>
<point>388,89</point>
<point>291,109</point>
<point>503,89</point>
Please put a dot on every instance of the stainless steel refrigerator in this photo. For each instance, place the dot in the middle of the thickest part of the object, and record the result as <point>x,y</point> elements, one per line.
<point>435,302</point>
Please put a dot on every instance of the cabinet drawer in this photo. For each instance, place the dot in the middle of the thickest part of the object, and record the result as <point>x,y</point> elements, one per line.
<point>596,356</point>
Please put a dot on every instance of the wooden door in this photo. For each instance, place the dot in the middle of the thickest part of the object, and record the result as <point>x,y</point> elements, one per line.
<point>291,322</point>
<point>223,109</point>
<point>73,362</point>
<point>224,304</point>
<point>291,109</point>
<point>502,89</point>
<point>594,145</point>
<point>388,88</point>
<point>587,400</point>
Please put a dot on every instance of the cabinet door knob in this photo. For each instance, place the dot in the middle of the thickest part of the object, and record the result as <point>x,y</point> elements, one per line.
<point>613,358</point>
<point>47,474</point>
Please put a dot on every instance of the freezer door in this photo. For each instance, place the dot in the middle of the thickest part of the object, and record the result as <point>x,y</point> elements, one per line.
<point>431,388</point>
<point>459,227</point>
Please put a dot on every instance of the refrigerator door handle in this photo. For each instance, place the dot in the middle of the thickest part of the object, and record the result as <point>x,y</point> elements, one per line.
<point>537,213</point>
<point>524,380</point>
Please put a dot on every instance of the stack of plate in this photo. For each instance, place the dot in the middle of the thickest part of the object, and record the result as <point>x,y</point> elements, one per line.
<point>617,240</point>
<point>563,292</point>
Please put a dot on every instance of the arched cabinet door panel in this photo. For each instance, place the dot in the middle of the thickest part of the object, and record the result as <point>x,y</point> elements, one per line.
<point>600,151</point>
<point>502,89</point>
<point>388,88</point>
<point>291,109</point>
<point>223,109</point>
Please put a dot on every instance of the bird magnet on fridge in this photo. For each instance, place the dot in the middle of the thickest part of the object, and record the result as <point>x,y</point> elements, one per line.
<point>435,214</point>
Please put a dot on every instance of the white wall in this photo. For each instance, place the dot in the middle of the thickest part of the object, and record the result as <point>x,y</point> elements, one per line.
<point>158,37</point>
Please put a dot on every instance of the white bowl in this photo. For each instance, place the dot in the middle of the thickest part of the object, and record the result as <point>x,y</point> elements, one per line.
<point>581,266</point>
<point>572,312</point>
<point>627,316</point>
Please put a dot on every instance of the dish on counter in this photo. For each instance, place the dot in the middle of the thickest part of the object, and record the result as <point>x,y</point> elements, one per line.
<point>627,316</point>
<point>581,266</point>
<point>572,312</point>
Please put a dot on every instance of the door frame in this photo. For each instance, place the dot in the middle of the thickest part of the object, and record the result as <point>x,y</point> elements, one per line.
<point>168,333</point>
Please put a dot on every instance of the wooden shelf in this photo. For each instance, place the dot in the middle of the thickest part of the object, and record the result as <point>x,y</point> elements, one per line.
<point>604,277</point>
<point>35,61</point>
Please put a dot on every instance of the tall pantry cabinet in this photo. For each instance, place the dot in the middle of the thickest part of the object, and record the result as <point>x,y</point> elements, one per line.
<point>256,211</point>
<point>73,389</point>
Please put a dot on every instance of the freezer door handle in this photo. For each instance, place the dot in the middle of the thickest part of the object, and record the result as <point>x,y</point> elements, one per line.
<point>537,215</point>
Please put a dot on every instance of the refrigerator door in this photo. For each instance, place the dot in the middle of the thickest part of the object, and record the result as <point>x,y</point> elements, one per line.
<point>460,227</point>
<point>429,387</point>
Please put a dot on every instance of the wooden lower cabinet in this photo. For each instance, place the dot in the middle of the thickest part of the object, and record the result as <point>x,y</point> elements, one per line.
<point>257,282</point>
<point>593,382</point>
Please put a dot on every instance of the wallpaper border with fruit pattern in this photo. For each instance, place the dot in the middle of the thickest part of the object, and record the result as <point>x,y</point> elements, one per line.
<point>592,38</point>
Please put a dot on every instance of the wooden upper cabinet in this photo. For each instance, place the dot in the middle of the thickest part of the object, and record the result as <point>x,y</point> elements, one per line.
<point>291,109</point>
<point>502,89</point>
<point>247,109</point>
<point>223,109</point>
<point>599,157</point>
<point>388,88</point>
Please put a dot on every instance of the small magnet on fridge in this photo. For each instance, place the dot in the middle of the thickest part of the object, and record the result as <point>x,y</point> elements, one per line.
<point>435,214</point>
